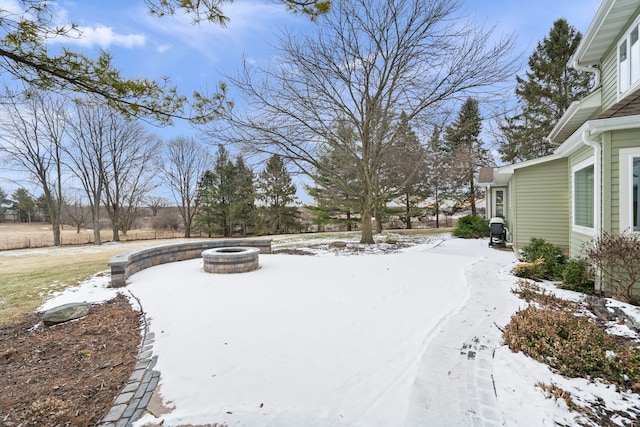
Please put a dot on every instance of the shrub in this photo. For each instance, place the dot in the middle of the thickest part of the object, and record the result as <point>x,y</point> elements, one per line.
<point>531,270</point>
<point>615,257</point>
<point>552,255</point>
<point>574,345</point>
<point>471,227</point>
<point>578,276</point>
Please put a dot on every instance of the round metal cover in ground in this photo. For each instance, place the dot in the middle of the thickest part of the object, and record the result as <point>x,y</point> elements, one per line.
<point>230,260</point>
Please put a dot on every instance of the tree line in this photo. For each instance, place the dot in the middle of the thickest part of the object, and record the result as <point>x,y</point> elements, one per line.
<point>349,105</point>
<point>90,153</point>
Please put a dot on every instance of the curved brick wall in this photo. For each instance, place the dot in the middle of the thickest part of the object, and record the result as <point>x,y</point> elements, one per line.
<point>125,264</point>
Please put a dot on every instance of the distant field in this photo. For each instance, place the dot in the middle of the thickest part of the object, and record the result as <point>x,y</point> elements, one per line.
<point>39,235</point>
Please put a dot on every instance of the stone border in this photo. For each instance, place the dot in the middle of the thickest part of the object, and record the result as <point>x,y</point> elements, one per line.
<point>125,264</point>
<point>133,399</point>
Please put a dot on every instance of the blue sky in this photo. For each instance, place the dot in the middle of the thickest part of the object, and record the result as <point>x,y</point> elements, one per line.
<point>197,57</point>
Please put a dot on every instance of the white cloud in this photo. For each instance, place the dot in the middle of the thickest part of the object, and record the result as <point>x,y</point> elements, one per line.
<point>11,6</point>
<point>162,48</point>
<point>103,37</point>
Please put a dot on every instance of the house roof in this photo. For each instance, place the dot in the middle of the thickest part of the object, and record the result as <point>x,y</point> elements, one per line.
<point>628,106</point>
<point>610,19</point>
<point>577,113</point>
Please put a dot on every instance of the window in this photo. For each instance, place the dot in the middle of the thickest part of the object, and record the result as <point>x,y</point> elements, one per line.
<point>629,189</point>
<point>629,60</point>
<point>583,196</point>
<point>635,193</point>
<point>499,203</point>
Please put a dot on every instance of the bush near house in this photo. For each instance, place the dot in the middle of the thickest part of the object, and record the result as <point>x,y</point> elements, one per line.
<point>577,275</point>
<point>555,332</point>
<point>616,258</point>
<point>552,256</point>
<point>471,227</point>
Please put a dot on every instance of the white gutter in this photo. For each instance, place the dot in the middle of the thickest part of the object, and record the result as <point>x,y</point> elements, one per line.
<point>597,184</point>
<point>595,71</point>
<point>597,181</point>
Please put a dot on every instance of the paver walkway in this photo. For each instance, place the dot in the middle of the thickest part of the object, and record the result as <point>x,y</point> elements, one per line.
<point>454,385</point>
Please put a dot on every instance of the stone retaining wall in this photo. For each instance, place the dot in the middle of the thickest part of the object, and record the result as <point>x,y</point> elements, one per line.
<point>125,264</point>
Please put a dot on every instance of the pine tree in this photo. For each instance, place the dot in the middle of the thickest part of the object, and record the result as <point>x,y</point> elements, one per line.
<point>24,205</point>
<point>438,174</point>
<point>547,90</point>
<point>243,196</point>
<point>277,192</point>
<point>468,154</point>
<point>406,169</point>
<point>4,203</point>
<point>205,218</point>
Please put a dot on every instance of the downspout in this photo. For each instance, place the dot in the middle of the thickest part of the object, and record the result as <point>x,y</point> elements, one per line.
<point>593,70</point>
<point>597,182</point>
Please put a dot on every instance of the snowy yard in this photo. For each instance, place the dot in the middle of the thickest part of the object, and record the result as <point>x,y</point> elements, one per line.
<point>378,339</point>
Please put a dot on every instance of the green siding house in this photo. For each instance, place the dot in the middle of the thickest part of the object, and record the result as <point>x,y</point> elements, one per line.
<point>590,183</point>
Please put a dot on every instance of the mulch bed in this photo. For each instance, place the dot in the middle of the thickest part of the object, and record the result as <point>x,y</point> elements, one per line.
<point>68,374</point>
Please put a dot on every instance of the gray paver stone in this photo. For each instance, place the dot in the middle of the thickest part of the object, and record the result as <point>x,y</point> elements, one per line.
<point>145,400</point>
<point>123,398</point>
<point>130,388</point>
<point>141,391</point>
<point>153,383</point>
<point>137,375</point>
<point>115,413</point>
<point>131,408</point>
<point>137,415</point>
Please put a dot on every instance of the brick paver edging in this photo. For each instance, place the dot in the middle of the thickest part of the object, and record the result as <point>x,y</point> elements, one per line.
<point>125,264</point>
<point>130,405</point>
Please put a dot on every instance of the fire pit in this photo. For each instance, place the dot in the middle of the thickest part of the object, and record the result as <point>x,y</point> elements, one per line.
<point>230,260</point>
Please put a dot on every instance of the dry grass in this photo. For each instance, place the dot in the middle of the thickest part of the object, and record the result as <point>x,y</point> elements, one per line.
<point>39,235</point>
<point>29,276</point>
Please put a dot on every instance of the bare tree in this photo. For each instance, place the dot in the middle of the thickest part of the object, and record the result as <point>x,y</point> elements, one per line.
<point>128,171</point>
<point>184,162</point>
<point>77,213</point>
<point>156,203</point>
<point>32,131</point>
<point>368,61</point>
<point>113,158</point>
<point>88,127</point>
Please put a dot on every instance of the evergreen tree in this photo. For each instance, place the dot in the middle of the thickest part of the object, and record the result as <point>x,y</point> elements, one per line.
<point>204,218</point>
<point>544,94</point>
<point>216,194</point>
<point>277,192</point>
<point>4,203</point>
<point>438,174</point>
<point>335,197</point>
<point>244,195</point>
<point>24,205</point>
<point>468,154</point>
<point>406,166</point>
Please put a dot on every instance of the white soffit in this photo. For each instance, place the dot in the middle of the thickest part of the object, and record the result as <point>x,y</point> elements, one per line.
<point>610,20</point>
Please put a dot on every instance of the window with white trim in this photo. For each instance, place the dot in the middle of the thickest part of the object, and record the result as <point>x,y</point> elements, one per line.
<point>629,189</point>
<point>635,193</point>
<point>498,200</point>
<point>629,59</point>
<point>583,196</point>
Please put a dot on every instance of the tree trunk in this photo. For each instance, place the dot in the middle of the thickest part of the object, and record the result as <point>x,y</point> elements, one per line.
<point>408,206</point>
<point>367,230</point>
<point>472,196</point>
<point>95,213</point>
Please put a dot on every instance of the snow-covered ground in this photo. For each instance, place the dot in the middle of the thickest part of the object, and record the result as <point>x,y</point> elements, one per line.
<point>409,338</point>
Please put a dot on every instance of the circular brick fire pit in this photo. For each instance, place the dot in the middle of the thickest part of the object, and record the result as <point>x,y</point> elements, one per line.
<point>230,260</point>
